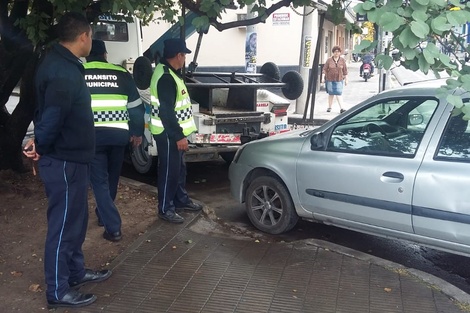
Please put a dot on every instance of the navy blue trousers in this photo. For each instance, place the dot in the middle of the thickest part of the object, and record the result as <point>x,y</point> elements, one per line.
<point>105,172</point>
<point>66,185</point>
<point>171,181</point>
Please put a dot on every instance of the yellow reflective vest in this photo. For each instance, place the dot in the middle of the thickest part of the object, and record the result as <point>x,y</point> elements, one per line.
<point>183,110</point>
<point>109,94</point>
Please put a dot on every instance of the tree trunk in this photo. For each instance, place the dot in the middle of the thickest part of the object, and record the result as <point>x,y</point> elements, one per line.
<point>13,127</point>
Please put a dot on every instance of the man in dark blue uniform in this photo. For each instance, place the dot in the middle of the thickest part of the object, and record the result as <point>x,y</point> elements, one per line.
<point>119,118</point>
<point>64,146</point>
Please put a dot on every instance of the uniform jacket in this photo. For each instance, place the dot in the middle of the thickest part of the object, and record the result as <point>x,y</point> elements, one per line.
<point>108,84</point>
<point>63,122</point>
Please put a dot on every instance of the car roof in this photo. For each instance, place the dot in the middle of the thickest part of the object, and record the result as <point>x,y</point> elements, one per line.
<point>421,88</point>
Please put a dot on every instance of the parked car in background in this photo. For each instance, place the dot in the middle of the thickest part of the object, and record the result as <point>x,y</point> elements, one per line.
<point>395,165</point>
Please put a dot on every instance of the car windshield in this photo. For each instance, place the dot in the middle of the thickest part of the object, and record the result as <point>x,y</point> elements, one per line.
<point>388,127</point>
<point>378,112</point>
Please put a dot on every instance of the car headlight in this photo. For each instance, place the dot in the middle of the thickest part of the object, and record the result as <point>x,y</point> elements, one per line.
<point>238,154</point>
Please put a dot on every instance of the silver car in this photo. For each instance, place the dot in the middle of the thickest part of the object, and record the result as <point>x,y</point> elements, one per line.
<point>395,165</point>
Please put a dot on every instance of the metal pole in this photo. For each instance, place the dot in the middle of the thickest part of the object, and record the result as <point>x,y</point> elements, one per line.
<point>305,58</point>
<point>315,71</point>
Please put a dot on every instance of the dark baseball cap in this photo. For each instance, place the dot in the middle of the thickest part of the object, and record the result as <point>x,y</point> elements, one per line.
<point>174,46</point>
<point>98,47</point>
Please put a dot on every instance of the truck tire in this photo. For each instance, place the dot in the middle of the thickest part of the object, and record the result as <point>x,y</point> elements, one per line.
<point>143,163</point>
<point>270,69</point>
<point>142,72</point>
<point>294,85</point>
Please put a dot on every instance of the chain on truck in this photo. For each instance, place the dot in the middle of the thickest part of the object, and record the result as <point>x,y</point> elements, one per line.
<point>229,108</point>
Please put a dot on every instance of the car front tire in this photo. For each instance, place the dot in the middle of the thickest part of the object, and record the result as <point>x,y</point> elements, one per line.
<point>269,206</point>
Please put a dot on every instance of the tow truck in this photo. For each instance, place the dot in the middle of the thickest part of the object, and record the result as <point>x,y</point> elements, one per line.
<point>229,108</point>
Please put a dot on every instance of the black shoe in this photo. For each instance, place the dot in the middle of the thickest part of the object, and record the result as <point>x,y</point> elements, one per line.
<point>112,237</point>
<point>191,206</point>
<point>91,277</point>
<point>171,217</point>
<point>72,299</point>
<point>342,111</point>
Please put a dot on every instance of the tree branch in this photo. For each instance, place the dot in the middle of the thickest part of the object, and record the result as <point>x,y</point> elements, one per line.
<point>193,6</point>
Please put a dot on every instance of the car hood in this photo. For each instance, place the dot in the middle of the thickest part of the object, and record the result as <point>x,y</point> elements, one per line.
<point>296,133</point>
<point>285,146</point>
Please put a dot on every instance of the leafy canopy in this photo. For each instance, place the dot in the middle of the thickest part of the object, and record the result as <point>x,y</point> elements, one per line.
<point>427,34</point>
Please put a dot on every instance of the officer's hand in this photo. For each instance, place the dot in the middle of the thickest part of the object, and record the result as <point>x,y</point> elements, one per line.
<point>136,141</point>
<point>182,144</point>
<point>30,150</point>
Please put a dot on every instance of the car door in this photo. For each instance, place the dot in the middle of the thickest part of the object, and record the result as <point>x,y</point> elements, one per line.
<point>441,201</point>
<point>364,177</point>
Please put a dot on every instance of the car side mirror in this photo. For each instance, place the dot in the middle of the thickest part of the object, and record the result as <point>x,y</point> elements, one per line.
<point>415,119</point>
<point>317,141</point>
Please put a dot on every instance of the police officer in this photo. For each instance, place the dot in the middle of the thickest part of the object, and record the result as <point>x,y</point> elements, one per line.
<point>171,121</point>
<point>64,146</point>
<point>119,118</point>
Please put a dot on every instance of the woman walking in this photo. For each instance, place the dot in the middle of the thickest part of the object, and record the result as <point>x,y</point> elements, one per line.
<point>336,72</point>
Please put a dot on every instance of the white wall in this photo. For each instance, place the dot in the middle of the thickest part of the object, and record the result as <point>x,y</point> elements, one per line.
<point>276,43</point>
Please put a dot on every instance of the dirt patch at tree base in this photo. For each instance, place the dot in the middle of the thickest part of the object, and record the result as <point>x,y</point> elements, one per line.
<point>23,207</point>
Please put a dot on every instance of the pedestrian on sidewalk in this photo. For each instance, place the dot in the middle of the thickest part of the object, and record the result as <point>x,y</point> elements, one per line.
<point>171,121</point>
<point>336,77</point>
<point>119,118</point>
<point>64,146</point>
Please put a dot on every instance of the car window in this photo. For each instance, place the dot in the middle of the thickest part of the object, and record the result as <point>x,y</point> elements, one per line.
<point>392,127</point>
<point>454,144</point>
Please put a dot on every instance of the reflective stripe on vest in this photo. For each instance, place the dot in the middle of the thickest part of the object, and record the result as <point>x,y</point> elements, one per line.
<point>183,109</point>
<point>109,110</point>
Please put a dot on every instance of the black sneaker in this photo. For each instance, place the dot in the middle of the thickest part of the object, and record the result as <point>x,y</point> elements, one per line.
<point>171,217</point>
<point>113,236</point>
<point>191,206</point>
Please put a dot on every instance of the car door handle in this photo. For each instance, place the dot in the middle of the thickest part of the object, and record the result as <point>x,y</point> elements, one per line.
<point>392,177</point>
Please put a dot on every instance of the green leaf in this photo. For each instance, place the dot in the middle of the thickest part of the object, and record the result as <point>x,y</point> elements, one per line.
<point>373,15</point>
<point>457,18</point>
<point>365,45</point>
<point>420,29</point>
<point>423,2</point>
<point>423,64</point>
<point>439,24</point>
<point>390,21</point>
<point>405,12</point>
<point>416,6</point>
<point>433,49</point>
<point>409,53</point>
<point>456,101</point>
<point>466,110</point>
<point>420,15</point>
<point>408,38</point>
<point>439,3</point>
<point>395,3</point>
<point>452,83</point>
<point>428,56</point>
<point>368,5</point>
<point>384,61</point>
<point>359,9</point>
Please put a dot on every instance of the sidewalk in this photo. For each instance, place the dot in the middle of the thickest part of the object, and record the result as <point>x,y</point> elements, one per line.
<point>194,267</point>
<point>355,92</point>
<point>177,268</point>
